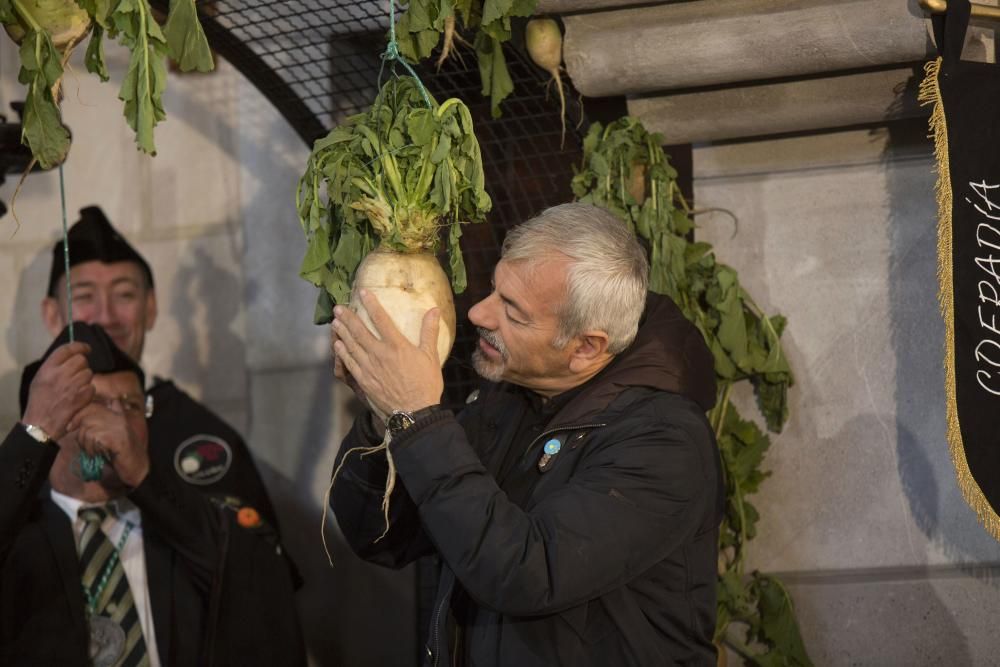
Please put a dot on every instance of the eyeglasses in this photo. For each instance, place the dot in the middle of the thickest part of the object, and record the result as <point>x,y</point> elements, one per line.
<point>126,404</point>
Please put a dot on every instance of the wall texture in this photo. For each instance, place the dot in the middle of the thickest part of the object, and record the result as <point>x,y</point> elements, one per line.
<point>862,516</point>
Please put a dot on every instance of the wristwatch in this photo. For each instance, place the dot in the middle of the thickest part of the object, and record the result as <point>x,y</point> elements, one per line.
<point>37,433</point>
<point>400,420</point>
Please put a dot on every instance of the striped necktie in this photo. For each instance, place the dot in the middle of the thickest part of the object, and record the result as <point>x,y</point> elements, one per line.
<point>107,593</point>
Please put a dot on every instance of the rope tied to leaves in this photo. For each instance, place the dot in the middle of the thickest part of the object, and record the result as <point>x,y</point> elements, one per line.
<point>391,55</point>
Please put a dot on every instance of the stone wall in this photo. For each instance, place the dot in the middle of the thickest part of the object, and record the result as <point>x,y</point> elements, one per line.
<point>862,517</point>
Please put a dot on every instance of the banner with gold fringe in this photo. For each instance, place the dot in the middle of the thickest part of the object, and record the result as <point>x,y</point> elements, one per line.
<point>965,123</point>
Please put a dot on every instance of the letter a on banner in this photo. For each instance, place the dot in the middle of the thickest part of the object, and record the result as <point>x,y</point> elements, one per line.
<point>966,127</point>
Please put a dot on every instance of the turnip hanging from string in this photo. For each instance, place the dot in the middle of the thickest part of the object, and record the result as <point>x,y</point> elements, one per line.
<point>375,197</point>
<point>543,40</point>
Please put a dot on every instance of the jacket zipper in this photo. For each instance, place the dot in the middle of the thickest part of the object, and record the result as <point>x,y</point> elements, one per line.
<point>437,614</point>
<point>435,653</point>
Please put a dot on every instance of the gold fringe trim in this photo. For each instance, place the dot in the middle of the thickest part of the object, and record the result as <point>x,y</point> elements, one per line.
<point>930,93</point>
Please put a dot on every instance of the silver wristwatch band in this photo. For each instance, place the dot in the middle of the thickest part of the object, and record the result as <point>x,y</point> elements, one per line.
<point>37,433</point>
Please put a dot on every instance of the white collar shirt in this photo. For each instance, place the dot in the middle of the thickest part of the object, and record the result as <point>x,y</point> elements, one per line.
<point>132,556</point>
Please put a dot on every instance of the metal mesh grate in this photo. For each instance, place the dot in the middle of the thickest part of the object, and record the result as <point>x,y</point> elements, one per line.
<point>318,61</point>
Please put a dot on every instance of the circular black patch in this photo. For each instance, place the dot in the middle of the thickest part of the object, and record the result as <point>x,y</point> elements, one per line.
<point>203,459</point>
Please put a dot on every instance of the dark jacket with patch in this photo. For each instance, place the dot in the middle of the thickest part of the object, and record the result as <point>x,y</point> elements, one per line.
<point>221,593</point>
<point>179,424</point>
<point>610,556</point>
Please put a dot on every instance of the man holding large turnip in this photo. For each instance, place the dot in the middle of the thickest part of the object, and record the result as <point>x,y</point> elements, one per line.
<point>574,503</point>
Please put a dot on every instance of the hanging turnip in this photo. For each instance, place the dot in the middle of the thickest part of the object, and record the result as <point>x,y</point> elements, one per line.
<point>376,195</point>
<point>543,40</point>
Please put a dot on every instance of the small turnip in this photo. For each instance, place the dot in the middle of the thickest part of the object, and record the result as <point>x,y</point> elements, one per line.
<point>544,42</point>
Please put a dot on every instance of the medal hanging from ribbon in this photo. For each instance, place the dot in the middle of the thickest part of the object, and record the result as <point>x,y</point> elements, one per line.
<point>965,123</point>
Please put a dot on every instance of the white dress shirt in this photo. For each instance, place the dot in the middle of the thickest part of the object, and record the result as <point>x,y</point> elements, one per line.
<point>132,556</point>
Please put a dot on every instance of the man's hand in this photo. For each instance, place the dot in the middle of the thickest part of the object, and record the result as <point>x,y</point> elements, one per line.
<point>391,373</point>
<point>102,431</point>
<point>339,371</point>
<point>60,389</point>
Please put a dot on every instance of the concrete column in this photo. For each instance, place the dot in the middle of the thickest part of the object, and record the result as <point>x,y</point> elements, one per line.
<point>713,42</point>
<point>756,110</point>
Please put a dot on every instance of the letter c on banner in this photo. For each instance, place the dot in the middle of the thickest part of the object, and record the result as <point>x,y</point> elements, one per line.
<point>979,379</point>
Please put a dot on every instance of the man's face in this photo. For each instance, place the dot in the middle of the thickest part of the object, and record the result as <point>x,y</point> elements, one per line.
<point>518,323</point>
<point>115,296</point>
<point>120,397</point>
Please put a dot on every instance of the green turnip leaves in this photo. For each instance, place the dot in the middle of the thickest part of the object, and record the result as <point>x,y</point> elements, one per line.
<point>392,177</point>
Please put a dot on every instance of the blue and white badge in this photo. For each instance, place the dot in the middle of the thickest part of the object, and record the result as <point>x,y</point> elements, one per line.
<point>549,451</point>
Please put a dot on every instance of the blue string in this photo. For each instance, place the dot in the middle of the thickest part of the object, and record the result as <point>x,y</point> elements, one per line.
<point>90,466</point>
<point>69,283</point>
<point>392,55</point>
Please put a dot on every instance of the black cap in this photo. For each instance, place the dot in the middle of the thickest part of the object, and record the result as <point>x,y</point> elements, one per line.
<point>104,357</point>
<point>92,238</point>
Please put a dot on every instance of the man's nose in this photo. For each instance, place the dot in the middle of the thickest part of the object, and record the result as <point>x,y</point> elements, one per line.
<point>105,313</point>
<point>480,315</point>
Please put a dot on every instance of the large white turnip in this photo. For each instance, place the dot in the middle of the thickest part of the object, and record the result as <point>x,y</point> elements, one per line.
<point>396,180</point>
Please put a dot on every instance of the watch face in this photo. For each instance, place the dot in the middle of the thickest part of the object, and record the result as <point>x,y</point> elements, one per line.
<point>399,421</point>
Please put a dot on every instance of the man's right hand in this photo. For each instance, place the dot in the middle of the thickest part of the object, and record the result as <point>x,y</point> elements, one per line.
<point>60,389</point>
<point>344,375</point>
<point>341,373</point>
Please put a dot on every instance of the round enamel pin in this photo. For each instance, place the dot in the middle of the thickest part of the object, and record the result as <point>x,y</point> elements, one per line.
<point>549,450</point>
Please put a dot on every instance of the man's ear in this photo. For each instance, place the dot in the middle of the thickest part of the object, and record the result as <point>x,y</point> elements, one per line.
<point>53,316</point>
<point>589,348</point>
<point>150,308</point>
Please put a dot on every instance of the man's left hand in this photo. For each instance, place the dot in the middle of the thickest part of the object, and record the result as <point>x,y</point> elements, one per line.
<point>393,373</point>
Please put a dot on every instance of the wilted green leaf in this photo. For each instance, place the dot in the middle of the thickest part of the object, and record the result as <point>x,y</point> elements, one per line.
<point>94,58</point>
<point>186,41</point>
<point>43,130</point>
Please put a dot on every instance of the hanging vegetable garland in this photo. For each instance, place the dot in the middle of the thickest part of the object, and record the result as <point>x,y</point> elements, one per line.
<point>49,30</point>
<point>626,171</point>
<point>426,22</point>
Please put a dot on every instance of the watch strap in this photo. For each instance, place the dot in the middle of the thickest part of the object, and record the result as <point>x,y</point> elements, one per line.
<point>37,433</point>
<point>400,420</point>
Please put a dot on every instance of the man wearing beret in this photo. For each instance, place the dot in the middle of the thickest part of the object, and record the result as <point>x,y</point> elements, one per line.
<point>108,560</point>
<point>113,287</point>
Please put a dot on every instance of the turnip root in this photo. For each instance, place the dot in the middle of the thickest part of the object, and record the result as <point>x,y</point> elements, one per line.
<point>544,42</point>
<point>407,285</point>
<point>448,46</point>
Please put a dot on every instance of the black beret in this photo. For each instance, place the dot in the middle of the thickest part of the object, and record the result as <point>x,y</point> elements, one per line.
<point>104,357</point>
<point>92,238</point>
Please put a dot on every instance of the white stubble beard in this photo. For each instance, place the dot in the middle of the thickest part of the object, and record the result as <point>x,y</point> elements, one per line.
<point>487,368</point>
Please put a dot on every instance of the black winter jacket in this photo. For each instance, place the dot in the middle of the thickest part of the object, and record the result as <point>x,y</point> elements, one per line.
<point>611,560</point>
